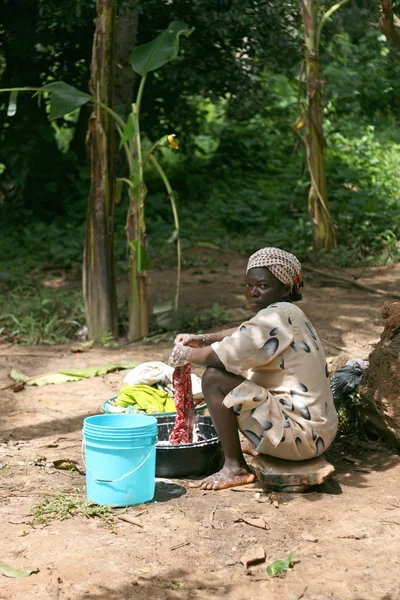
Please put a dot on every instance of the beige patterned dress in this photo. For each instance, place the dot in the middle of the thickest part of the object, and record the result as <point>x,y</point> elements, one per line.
<point>285,407</point>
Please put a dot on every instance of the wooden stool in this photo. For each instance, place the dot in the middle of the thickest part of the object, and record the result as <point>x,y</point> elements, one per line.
<point>290,475</point>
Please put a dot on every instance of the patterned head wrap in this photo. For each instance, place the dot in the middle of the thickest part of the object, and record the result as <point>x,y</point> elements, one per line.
<point>285,266</point>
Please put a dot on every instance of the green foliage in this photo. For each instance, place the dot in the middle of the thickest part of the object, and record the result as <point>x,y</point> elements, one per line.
<point>163,49</point>
<point>195,320</point>
<point>28,251</point>
<point>365,196</point>
<point>61,507</point>
<point>351,410</point>
<point>231,98</point>
<point>279,567</point>
<point>40,316</point>
<point>64,98</point>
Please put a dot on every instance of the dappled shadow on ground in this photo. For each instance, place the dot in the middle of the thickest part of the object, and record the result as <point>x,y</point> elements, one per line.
<point>168,490</point>
<point>176,584</point>
<point>345,318</point>
<point>385,597</point>
<point>353,466</point>
<point>56,426</point>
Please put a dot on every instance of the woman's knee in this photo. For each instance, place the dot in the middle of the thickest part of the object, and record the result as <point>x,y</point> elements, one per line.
<point>219,380</point>
<point>210,379</point>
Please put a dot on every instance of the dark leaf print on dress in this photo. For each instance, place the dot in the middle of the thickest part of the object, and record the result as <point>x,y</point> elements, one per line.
<point>300,405</point>
<point>262,419</point>
<point>320,446</point>
<point>298,442</point>
<point>314,435</point>
<point>315,344</point>
<point>286,403</point>
<point>326,370</point>
<point>282,363</point>
<point>258,398</point>
<point>305,346</point>
<point>294,346</point>
<point>237,408</point>
<point>254,438</point>
<point>311,332</point>
<point>274,331</point>
<point>242,329</point>
<point>269,349</point>
<point>303,387</point>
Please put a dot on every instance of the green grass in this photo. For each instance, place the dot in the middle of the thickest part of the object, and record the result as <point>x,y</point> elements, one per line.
<point>34,315</point>
<point>350,411</point>
<point>61,507</point>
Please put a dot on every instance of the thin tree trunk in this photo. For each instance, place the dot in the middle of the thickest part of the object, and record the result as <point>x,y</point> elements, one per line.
<point>124,86</point>
<point>137,294</point>
<point>323,231</point>
<point>99,286</point>
<point>389,23</point>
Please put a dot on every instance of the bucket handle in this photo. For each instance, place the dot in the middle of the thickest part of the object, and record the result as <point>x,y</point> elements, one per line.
<point>120,478</point>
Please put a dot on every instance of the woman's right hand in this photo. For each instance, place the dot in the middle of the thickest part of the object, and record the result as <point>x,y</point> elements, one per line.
<point>191,340</point>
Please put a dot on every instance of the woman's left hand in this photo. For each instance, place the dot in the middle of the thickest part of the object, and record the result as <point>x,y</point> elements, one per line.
<point>180,355</point>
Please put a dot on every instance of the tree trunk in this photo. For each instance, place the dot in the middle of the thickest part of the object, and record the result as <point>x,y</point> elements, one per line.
<point>138,281</point>
<point>124,86</point>
<point>99,286</point>
<point>389,23</point>
<point>381,388</point>
<point>323,231</point>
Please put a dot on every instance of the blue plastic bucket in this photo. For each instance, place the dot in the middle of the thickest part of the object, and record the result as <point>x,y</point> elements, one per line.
<point>120,466</point>
<point>130,422</point>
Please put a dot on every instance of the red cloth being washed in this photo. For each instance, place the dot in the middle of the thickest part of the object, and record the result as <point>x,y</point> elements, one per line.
<point>182,432</point>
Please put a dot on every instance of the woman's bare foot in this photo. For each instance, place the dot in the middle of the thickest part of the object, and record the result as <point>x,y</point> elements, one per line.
<point>247,448</point>
<point>225,478</point>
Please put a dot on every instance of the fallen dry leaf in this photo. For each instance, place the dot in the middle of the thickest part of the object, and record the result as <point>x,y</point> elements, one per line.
<point>259,522</point>
<point>67,465</point>
<point>252,556</point>
<point>356,536</point>
<point>355,461</point>
<point>131,520</point>
<point>12,572</point>
<point>18,387</point>
<point>274,499</point>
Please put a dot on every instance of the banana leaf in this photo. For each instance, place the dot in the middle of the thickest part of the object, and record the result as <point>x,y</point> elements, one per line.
<point>64,98</point>
<point>71,375</point>
<point>164,48</point>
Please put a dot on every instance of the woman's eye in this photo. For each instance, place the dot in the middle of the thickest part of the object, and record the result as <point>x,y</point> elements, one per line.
<point>263,286</point>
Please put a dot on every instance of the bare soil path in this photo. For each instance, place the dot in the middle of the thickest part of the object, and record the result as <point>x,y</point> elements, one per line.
<point>191,543</point>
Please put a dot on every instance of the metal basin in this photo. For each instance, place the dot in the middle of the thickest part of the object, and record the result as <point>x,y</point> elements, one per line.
<point>185,460</point>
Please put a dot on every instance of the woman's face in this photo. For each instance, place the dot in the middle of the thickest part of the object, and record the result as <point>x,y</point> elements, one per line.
<point>263,289</point>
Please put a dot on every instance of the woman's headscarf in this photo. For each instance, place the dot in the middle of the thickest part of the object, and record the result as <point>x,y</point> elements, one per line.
<point>285,266</point>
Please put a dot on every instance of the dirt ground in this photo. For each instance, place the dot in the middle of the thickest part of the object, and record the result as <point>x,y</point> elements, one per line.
<point>346,533</point>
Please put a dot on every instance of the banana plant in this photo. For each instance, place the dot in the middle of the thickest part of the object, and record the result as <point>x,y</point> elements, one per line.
<point>65,98</point>
<point>145,59</point>
<point>310,123</point>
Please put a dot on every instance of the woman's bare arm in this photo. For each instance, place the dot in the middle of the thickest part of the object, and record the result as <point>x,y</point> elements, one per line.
<point>202,340</point>
<point>205,357</point>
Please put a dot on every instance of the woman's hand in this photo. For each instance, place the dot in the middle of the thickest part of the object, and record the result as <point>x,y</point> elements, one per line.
<point>192,340</point>
<point>180,355</point>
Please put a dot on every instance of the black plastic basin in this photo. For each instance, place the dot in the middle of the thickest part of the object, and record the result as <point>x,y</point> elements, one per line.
<point>185,460</point>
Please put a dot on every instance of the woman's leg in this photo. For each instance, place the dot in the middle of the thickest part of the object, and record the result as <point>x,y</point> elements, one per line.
<point>216,384</point>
